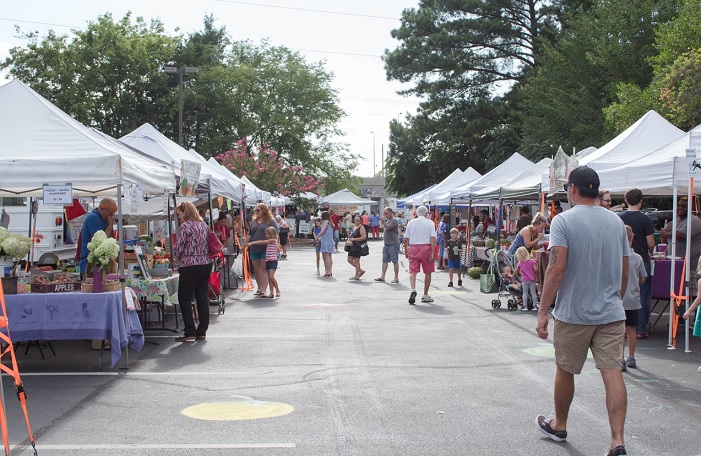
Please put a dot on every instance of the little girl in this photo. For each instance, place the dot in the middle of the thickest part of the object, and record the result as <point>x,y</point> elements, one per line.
<point>528,269</point>
<point>694,306</point>
<point>271,259</point>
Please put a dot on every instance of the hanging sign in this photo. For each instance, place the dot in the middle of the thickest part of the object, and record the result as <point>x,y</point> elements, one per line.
<point>189,176</point>
<point>58,194</point>
<point>694,163</point>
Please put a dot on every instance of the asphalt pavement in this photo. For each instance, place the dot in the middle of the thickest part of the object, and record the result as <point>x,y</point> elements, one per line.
<point>341,367</point>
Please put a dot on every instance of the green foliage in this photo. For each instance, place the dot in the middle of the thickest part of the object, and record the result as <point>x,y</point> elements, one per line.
<point>606,48</point>
<point>107,76</point>
<point>674,89</point>
<point>110,76</point>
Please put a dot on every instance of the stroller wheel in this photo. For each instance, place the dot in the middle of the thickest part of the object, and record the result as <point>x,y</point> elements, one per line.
<point>495,304</point>
<point>510,304</point>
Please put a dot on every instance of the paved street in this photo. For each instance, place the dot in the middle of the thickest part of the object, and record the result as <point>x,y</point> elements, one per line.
<point>339,367</point>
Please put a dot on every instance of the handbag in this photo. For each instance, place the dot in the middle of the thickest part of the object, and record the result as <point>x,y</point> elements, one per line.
<point>213,243</point>
<point>488,282</point>
<point>364,249</point>
<point>348,247</point>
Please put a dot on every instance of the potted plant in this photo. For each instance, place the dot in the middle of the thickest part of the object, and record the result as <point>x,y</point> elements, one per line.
<point>13,247</point>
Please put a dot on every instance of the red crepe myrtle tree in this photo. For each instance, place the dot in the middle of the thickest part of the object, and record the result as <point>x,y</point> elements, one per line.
<point>268,170</point>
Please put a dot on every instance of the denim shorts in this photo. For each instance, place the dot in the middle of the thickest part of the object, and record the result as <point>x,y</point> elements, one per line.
<point>271,265</point>
<point>256,256</point>
<point>454,264</point>
<point>390,253</point>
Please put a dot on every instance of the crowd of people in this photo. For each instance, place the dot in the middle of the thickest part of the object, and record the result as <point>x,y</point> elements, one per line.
<point>584,318</point>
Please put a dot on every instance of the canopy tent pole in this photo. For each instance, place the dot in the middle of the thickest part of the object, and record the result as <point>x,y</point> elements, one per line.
<point>673,264</point>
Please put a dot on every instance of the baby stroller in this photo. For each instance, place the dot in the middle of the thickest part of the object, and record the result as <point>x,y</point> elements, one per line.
<point>216,295</point>
<point>499,260</point>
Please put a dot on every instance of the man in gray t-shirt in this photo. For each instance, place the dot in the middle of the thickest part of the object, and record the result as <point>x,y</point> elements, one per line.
<point>588,272</point>
<point>390,252</point>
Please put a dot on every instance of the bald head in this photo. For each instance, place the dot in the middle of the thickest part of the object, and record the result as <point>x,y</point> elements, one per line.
<point>109,204</point>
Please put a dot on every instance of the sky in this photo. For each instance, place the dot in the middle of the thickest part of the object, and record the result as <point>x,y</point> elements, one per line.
<point>349,37</point>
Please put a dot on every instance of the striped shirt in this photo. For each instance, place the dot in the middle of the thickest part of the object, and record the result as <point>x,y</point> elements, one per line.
<point>271,252</point>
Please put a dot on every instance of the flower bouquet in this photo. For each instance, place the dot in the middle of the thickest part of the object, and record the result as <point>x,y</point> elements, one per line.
<point>103,251</point>
<point>15,247</point>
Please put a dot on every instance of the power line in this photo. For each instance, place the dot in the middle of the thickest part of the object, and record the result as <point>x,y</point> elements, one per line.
<point>40,23</point>
<point>340,13</point>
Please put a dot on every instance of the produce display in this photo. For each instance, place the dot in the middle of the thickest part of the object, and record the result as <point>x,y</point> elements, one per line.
<point>475,272</point>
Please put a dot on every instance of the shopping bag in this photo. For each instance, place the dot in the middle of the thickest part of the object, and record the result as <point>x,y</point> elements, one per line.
<point>213,243</point>
<point>488,281</point>
<point>237,267</point>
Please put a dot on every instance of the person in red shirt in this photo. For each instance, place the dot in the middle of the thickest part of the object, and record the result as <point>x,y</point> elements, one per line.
<point>336,223</point>
<point>222,229</point>
<point>486,221</point>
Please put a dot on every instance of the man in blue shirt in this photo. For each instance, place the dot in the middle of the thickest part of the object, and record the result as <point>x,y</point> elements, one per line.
<point>100,219</point>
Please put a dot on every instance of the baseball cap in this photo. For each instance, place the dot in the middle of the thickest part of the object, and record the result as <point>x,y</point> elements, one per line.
<point>584,177</point>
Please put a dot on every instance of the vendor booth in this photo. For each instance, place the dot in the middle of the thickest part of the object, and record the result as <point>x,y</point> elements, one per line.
<point>44,148</point>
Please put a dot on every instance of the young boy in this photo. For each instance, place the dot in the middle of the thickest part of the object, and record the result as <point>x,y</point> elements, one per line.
<point>453,247</point>
<point>631,301</point>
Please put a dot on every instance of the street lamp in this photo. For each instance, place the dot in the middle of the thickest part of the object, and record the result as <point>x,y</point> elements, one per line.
<point>181,72</point>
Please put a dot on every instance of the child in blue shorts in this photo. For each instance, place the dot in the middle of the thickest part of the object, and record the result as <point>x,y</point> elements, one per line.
<point>454,248</point>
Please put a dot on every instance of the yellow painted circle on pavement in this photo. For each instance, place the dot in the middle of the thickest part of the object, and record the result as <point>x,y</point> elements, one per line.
<point>243,408</point>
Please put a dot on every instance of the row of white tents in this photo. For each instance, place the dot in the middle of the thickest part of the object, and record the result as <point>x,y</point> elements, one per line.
<point>650,155</point>
<point>43,145</point>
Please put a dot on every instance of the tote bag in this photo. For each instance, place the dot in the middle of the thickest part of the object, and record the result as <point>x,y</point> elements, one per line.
<point>364,249</point>
<point>488,282</point>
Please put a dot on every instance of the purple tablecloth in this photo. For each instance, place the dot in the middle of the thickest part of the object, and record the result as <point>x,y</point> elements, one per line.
<point>660,279</point>
<point>62,316</point>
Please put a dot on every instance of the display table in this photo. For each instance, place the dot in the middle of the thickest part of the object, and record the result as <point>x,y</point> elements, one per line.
<point>659,289</point>
<point>158,291</point>
<point>662,270</point>
<point>67,316</point>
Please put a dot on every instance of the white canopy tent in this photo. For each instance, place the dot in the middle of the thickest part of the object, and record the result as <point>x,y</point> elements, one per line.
<point>409,200</point>
<point>659,172</point>
<point>251,192</point>
<point>153,143</point>
<point>345,198</point>
<point>43,145</point>
<point>649,133</point>
<point>528,185</point>
<point>449,183</point>
<point>502,173</point>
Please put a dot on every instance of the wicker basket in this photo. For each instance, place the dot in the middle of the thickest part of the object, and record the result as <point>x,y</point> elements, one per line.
<point>86,287</point>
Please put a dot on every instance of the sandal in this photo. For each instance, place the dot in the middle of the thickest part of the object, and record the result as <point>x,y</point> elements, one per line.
<point>268,296</point>
<point>277,295</point>
<point>257,293</point>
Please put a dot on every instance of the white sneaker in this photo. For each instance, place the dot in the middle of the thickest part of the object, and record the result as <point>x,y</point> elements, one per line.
<point>699,368</point>
<point>317,273</point>
<point>426,298</point>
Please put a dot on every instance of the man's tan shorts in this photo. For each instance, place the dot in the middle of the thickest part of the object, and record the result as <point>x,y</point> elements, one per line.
<point>572,342</point>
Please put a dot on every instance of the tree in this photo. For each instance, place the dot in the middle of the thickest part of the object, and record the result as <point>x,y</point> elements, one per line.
<point>108,76</point>
<point>674,89</point>
<point>268,171</point>
<point>459,54</point>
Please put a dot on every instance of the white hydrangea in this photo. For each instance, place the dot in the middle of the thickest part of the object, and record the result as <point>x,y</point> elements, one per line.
<point>102,250</point>
<point>14,245</point>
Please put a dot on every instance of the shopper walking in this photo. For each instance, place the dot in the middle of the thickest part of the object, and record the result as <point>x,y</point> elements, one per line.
<point>588,274</point>
<point>419,245</point>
